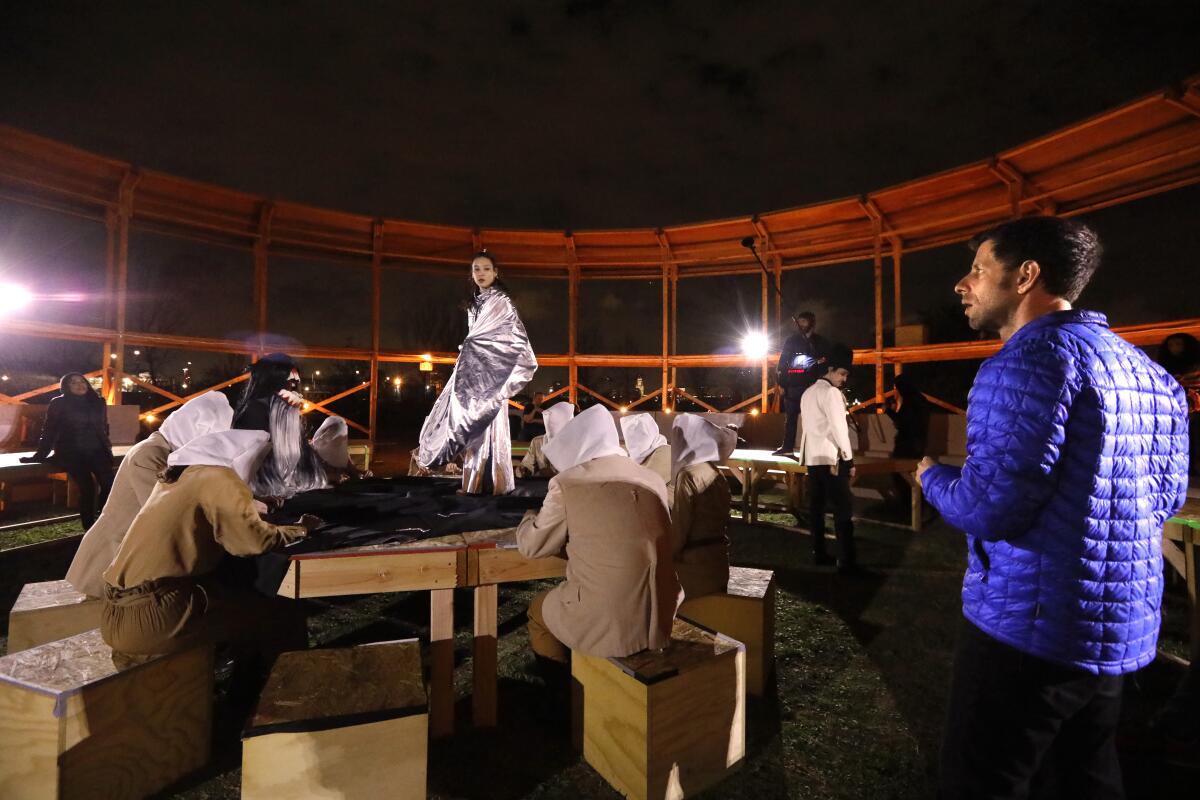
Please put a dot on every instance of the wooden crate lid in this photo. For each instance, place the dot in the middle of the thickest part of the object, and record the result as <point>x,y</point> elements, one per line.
<point>749,582</point>
<point>1188,515</point>
<point>691,646</point>
<point>313,690</point>
<point>49,594</point>
<point>62,668</point>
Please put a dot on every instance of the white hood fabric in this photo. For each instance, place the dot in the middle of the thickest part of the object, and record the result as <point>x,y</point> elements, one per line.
<point>208,413</point>
<point>332,442</point>
<point>592,434</point>
<point>695,440</point>
<point>554,418</point>
<point>642,436</point>
<point>241,451</point>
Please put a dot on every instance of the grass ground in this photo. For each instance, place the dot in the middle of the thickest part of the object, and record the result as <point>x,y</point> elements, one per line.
<point>862,666</point>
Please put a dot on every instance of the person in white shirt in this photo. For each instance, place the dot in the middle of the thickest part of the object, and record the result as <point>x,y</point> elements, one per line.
<point>829,457</point>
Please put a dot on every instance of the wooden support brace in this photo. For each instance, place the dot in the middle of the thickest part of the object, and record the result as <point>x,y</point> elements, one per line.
<point>483,666</point>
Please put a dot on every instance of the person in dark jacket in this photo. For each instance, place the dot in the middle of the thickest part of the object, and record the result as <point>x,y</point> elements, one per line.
<point>1076,456</point>
<point>800,361</point>
<point>909,412</point>
<point>1179,354</point>
<point>76,433</point>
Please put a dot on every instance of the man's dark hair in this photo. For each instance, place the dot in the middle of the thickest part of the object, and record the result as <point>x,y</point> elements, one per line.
<point>808,315</point>
<point>1067,251</point>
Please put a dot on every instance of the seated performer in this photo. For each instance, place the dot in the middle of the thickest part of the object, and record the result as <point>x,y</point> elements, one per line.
<point>332,443</point>
<point>166,589</point>
<point>611,516</point>
<point>700,504</point>
<point>535,464</point>
<point>271,403</point>
<point>208,413</point>
<point>646,444</point>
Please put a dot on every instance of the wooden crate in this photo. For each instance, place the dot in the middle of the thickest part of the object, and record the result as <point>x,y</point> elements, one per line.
<point>347,722</point>
<point>745,612</point>
<point>665,724</point>
<point>81,723</point>
<point>47,611</point>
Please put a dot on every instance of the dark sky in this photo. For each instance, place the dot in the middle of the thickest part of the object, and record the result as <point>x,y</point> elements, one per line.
<point>589,113</point>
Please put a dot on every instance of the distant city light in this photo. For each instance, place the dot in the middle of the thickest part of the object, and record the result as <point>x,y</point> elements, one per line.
<point>754,412</point>
<point>318,372</point>
<point>150,418</point>
<point>112,355</point>
<point>624,409</point>
<point>185,386</point>
<point>13,297</point>
<point>397,381</point>
<point>137,352</point>
<point>755,344</point>
<point>3,377</point>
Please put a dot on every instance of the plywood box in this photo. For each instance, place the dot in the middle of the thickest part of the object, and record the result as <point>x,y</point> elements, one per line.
<point>47,611</point>
<point>744,612</point>
<point>337,723</point>
<point>669,723</point>
<point>911,335</point>
<point>81,723</point>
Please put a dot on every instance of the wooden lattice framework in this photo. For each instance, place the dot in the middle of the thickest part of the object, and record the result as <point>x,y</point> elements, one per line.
<point>1144,147</point>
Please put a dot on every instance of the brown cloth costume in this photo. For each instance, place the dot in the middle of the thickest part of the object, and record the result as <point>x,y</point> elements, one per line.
<point>700,501</point>
<point>610,515</point>
<point>164,591</point>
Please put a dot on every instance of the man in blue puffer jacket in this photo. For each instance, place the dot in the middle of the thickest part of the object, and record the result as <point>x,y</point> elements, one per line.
<point>1077,452</point>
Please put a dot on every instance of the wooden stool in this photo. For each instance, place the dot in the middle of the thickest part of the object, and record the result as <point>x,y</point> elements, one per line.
<point>350,722</point>
<point>668,723</point>
<point>81,723</point>
<point>70,489</point>
<point>48,611</point>
<point>746,612</point>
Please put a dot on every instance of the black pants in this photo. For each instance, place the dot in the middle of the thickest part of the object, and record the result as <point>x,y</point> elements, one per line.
<point>1009,709</point>
<point>91,470</point>
<point>791,410</point>
<point>829,488</point>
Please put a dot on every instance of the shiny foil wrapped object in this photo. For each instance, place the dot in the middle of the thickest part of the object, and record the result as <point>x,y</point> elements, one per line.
<point>470,417</point>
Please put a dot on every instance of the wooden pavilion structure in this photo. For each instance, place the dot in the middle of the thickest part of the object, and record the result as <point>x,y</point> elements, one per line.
<point>1144,147</point>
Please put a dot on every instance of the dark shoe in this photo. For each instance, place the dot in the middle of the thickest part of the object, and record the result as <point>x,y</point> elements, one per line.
<point>823,559</point>
<point>785,451</point>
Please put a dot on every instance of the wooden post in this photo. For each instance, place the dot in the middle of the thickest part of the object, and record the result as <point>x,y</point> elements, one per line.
<point>896,250</point>
<point>778,293</point>
<point>572,319</point>
<point>376,291</point>
<point>674,320</point>
<point>483,658</point>
<point>110,283</point>
<point>765,322</point>
<point>441,662</point>
<point>878,317</point>
<point>261,246</point>
<point>666,327</point>
<point>119,274</point>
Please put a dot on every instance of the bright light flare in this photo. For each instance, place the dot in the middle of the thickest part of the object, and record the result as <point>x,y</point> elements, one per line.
<point>14,297</point>
<point>756,344</point>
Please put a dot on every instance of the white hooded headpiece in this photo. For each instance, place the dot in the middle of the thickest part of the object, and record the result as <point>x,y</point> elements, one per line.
<point>642,436</point>
<point>695,440</point>
<point>208,413</point>
<point>554,418</point>
<point>241,451</point>
<point>332,442</point>
<point>592,434</point>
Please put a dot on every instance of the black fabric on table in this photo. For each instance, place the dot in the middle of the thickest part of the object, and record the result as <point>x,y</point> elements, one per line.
<point>393,511</point>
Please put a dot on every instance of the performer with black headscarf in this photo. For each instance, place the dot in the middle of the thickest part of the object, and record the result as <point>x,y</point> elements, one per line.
<point>272,403</point>
<point>494,363</point>
<point>76,431</point>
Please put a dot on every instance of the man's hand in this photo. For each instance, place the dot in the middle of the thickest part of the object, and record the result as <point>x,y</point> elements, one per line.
<point>28,459</point>
<point>311,522</point>
<point>922,467</point>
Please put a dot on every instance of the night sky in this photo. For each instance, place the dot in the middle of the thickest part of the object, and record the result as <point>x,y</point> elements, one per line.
<point>578,114</point>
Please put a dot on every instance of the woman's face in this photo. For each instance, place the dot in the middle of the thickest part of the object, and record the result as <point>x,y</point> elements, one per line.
<point>483,272</point>
<point>77,385</point>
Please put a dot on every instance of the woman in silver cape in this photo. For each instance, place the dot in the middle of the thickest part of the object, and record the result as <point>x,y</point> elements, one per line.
<point>470,417</point>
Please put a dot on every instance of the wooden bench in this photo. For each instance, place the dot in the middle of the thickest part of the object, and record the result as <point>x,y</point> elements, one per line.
<point>47,611</point>
<point>348,722</point>
<point>745,612</point>
<point>81,723</point>
<point>665,723</point>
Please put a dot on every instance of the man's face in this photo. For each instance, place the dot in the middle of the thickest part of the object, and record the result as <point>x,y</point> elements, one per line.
<point>838,377</point>
<point>805,325</point>
<point>77,385</point>
<point>539,398</point>
<point>483,272</point>
<point>989,291</point>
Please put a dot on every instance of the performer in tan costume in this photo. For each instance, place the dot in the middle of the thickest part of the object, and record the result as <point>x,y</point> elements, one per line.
<point>535,464</point>
<point>700,504</point>
<point>646,444</point>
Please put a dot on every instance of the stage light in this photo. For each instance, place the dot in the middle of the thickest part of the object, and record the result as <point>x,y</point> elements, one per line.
<point>755,344</point>
<point>624,410</point>
<point>3,377</point>
<point>13,297</point>
<point>150,418</point>
<point>754,412</point>
<point>396,381</point>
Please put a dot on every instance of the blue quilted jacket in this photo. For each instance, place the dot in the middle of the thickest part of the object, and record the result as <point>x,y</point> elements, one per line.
<point>1077,452</point>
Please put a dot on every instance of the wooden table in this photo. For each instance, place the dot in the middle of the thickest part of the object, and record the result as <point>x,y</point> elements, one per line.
<point>12,470</point>
<point>479,559</point>
<point>752,465</point>
<point>1181,541</point>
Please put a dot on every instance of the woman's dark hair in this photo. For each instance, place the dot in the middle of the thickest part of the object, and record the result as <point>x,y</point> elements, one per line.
<point>267,376</point>
<point>1067,251</point>
<point>1185,362</point>
<point>90,396</point>
<point>906,385</point>
<point>497,283</point>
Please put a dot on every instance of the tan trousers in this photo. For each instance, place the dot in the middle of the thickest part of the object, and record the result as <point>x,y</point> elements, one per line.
<point>172,614</point>
<point>541,641</point>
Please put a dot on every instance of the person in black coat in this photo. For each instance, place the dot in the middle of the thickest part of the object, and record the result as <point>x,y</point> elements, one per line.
<point>801,361</point>
<point>76,432</point>
<point>910,414</point>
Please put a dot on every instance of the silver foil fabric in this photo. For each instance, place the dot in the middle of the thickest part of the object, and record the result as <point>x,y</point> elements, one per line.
<point>470,417</point>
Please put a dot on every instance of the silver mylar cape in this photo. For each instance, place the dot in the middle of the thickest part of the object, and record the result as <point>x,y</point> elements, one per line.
<point>470,416</point>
